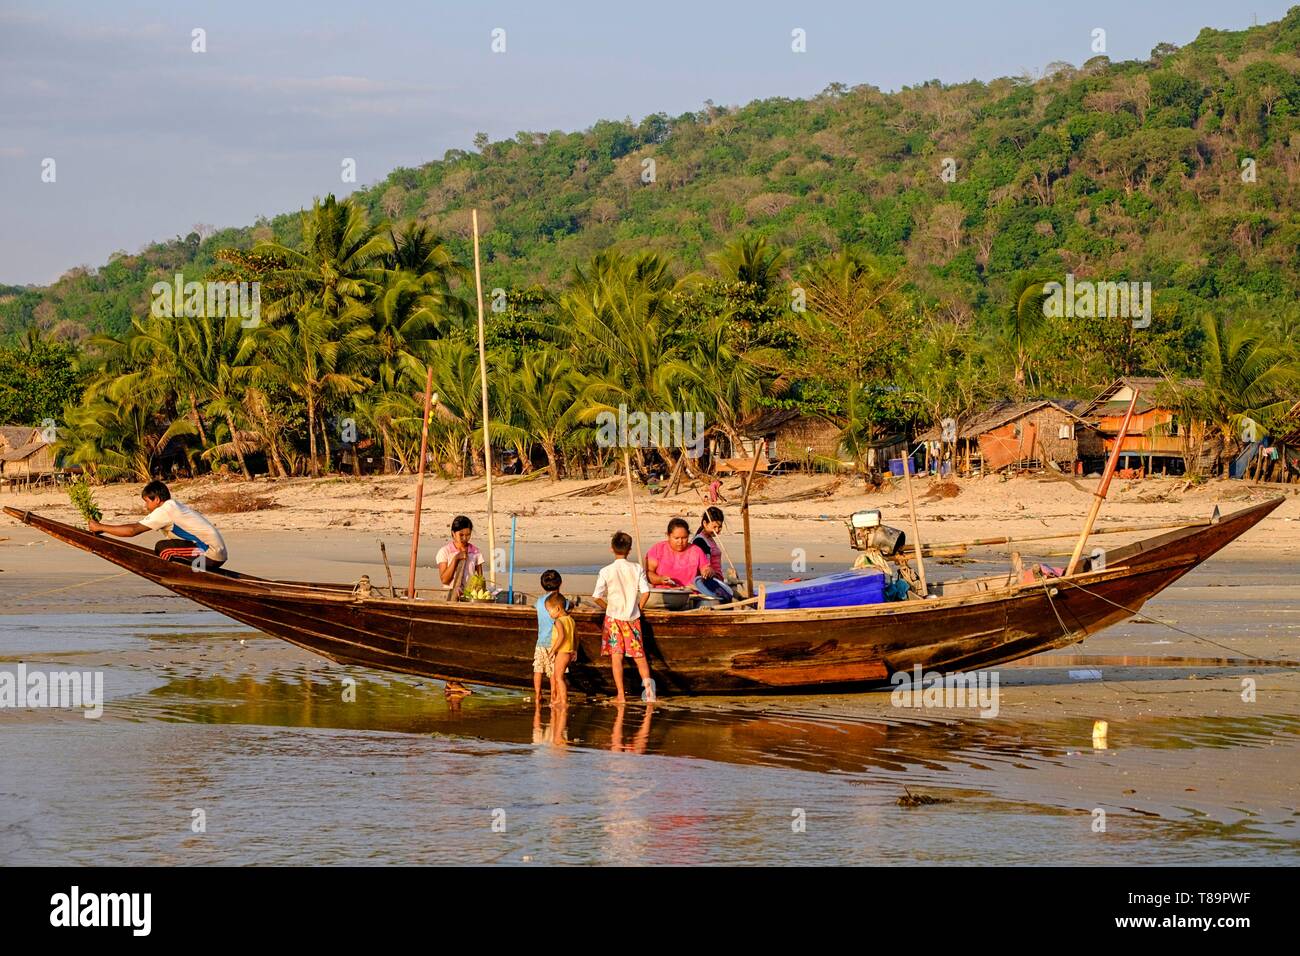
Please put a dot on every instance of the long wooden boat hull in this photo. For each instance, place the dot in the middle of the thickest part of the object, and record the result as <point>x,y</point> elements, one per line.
<point>694,652</point>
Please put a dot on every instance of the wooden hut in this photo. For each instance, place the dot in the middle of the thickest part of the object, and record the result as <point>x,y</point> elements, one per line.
<point>1025,434</point>
<point>1156,441</point>
<point>793,438</point>
<point>24,455</point>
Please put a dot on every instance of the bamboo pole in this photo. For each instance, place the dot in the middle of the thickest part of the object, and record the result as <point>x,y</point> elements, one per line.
<point>487,442</point>
<point>916,527</point>
<point>956,548</point>
<point>419,484</point>
<point>392,591</point>
<point>744,514</point>
<point>1100,494</point>
<point>631,500</point>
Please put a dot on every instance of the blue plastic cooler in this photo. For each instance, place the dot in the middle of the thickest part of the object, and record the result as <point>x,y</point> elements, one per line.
<point>842,589</point>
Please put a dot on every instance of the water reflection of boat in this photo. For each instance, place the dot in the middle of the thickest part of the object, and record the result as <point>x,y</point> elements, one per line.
<point>965,624</point>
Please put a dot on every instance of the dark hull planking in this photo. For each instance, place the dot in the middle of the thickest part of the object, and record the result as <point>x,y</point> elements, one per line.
<point>700,652</point>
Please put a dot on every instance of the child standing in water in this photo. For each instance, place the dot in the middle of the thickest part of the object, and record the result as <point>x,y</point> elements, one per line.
<point>543,658</point>
<point>562,647</point>
<point>622,590</point>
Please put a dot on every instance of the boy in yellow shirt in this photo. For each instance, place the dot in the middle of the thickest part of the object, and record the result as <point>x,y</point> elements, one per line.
<point>562,646</point>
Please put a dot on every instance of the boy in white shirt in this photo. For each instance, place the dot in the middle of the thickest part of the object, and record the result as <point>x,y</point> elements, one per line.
<point>622,590</point>
<point>195,535</point>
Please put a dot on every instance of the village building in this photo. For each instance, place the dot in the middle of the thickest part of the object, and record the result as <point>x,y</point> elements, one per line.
<point>793,439</point>
<point>25,456</point>
<point>1033,434</point>
<point>1157,441</point>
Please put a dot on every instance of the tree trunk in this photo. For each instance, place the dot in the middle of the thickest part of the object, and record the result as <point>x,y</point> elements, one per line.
<point>552,464</point>
<point>257,402</point>
<point>311,437</point>
<point>198,419</point>
<point>239,452</point>
<point>325,441</point>
<point>388,449</point>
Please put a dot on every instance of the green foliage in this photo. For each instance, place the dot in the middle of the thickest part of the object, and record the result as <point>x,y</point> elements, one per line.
<point>37,378</point>
<point>630,252</point>
<point>83,499</point>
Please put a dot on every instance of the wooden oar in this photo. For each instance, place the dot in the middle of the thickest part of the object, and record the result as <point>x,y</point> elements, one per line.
<point>1100,493</point>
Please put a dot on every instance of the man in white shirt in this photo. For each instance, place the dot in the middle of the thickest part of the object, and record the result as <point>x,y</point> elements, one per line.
<point>195,535</point>
<point>622,590</point>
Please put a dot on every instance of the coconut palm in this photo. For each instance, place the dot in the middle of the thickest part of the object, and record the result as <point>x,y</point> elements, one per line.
<point>724,382</point>
<point>1249,379</point>
<point>549,397</point>
<point>117,439</point>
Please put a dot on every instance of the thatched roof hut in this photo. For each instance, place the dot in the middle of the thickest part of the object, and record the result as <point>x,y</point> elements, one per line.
<point>1017,433</point>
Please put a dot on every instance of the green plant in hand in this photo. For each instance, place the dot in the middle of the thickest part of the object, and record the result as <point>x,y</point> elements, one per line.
<point>84,500</point>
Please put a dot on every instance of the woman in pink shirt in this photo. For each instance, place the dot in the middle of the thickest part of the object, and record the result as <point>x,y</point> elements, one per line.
<point>676,562</point>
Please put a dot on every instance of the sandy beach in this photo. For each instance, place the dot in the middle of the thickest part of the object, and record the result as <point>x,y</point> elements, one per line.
<point>1184,748</point>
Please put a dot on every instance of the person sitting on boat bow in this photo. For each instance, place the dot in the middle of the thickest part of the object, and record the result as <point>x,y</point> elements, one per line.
<point>196,536</point>
<point>675,562</point>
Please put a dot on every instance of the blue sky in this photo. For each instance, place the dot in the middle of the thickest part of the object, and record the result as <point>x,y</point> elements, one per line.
<point>150,138</point>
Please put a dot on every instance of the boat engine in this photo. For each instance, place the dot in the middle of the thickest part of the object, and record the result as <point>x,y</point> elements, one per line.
<point>867,533</point>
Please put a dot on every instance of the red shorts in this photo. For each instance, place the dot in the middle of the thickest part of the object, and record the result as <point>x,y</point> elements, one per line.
<point>621,637</point>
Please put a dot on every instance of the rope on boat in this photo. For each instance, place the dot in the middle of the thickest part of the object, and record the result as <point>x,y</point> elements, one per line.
<point>1156,620</point>
<point>69,587</point>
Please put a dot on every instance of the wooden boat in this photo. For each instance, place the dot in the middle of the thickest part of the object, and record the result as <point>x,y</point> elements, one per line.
<point>964,625</point>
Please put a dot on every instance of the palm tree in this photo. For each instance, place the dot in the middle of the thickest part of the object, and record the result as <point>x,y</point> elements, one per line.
<point>1024,318</point>
<point>726,381</point>
<point>753,260</point>
<point>622,318</point>
<point>317,358</point>
<point>550,398</point>
<point>406,318</point>
<point>460,400</point>
<point>223,377</point>
<point>1249,378</point>
<point>117,439</point>
<point>324,291</point>
<point>417,251</point>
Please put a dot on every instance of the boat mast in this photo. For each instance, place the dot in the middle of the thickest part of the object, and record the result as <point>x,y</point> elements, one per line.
<point>759,449</point>
<point>908,467</point>
<point>487,442</point>
<point>631,500</point>
<point>1100,494</point>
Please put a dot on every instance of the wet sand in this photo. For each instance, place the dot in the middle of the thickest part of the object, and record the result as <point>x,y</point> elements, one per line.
<point>204,714</point>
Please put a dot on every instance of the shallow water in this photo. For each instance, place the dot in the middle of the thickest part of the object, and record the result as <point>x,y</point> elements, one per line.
<point>202,715</point>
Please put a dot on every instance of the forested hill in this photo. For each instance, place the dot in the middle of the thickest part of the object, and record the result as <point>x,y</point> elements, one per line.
<point>1181,170</point>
